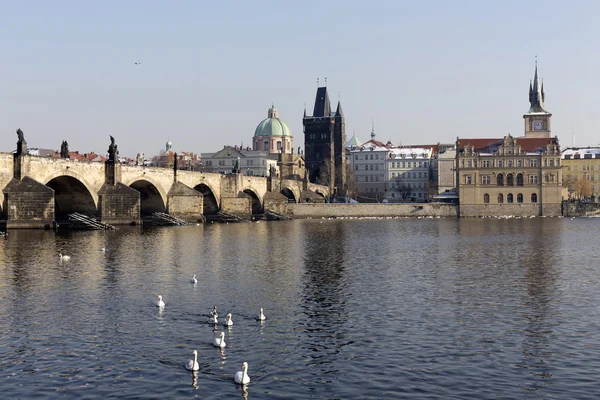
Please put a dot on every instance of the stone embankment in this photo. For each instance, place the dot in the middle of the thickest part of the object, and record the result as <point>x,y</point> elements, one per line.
<point>311,210</point>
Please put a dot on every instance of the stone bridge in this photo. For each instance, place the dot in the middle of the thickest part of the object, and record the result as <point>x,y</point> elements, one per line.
<point>40,190</point>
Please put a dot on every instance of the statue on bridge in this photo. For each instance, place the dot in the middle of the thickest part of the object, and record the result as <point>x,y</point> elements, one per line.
<point>64,150</point>
<point>21,143</point>
<point>113,152</point>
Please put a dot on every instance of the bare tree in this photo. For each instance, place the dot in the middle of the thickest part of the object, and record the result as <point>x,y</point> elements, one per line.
<point>583,189</point>
<point>402,188</point>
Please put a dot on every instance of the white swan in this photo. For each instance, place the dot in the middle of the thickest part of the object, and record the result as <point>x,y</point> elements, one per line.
<point>220,341</point>
<point>242,377</point>
<point>213,320</point>
<point>160,302</point>
<point>192,365</point>
<point>64,257</point>
<point>228,321</point>
<point>194,280</point>
<point>261,316</point>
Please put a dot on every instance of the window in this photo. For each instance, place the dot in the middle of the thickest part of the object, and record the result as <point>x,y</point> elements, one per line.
<point>469,163</point>
<point>377,156</point>
<point>520,198</point>
<point>485,179</point>
<point>519,179</point>
<point>356,156</point>
<point>509,179</point>
<point>468,179</point>
<point>371,157</point>
<point>519,163</point>
<point>534,197</point>
<point>279,145</point>
<point>486,198</point>
<point>509,198</point>
<point>356,167</point>
<point>552,162</point>
<point>500,180</point>
<point>500,198</point>
<point>509,163</point>
<point>533,163</point>
<point>533,179</point>
<point>414,175</point>
<point>499,163</point>
<point>486,163</point>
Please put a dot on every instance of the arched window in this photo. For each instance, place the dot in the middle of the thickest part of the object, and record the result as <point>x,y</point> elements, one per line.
<point>509,180</point>
<point>509,198</point>
<point>500,198</point>
<point>534,197</point>
<point>520,198</point>
<point>500,180</point>
<point>519,179</point>
<point>266,146</point>
<point>486,198</point>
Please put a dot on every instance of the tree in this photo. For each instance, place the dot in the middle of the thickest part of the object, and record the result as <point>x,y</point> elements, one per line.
<point>352,189</point>
<point>404,190</point>
<point>583,189</point>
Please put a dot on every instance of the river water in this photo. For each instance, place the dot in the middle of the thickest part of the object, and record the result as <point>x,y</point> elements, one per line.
<point>356,309</point>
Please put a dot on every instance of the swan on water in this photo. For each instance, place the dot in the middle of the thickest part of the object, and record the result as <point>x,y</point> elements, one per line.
<point>213,320</point>
<point>194,280</point>
<point>160,302</point>
<point>261,316</point>
<point>192,365</point>
<point>64,257</point>
<point>213,313</point>
<point>242,377</point>
<point>228,321</point>
<point>220,341</point>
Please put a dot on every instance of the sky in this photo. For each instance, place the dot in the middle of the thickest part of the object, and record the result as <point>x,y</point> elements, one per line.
<point>423,71</point>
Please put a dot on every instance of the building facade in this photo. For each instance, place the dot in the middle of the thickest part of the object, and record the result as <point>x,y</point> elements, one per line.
<point>244,160</point>
<point>325,144</point>
<point>581,172</point>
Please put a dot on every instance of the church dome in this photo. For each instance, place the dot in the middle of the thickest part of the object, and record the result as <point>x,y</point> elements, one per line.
<point>272,126</point>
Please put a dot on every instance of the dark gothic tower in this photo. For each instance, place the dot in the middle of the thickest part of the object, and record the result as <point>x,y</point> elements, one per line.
<point>324,144</point>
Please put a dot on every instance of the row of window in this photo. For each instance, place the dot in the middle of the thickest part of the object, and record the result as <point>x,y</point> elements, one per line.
<point>509,198</point>
<point>222,163</point>
<point>585,177</point>
<point>583,167</point>
<point>531,163</point>
<point>487,179</point>
<point>408,175</point>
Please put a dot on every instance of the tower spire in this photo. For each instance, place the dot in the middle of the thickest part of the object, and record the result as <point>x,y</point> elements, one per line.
<point>373,128</point>
<point>536,93</point>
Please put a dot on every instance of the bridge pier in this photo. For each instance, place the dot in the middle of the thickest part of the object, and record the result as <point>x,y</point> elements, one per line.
<point>185,203</point>
<point>118,204</point>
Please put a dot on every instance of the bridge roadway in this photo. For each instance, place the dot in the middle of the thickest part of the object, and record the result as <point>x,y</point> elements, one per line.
<point>77,184</point>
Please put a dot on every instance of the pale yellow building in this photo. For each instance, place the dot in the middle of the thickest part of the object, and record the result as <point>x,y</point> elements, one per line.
<point>581,171</point>
<point>512,176</point>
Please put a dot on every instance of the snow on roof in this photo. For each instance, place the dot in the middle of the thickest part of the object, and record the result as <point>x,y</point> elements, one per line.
<point>571,151</point>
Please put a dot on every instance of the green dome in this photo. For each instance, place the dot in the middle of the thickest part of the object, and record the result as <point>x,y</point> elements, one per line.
<point>272,126</point>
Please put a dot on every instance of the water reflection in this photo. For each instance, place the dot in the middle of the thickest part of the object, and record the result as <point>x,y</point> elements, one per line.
<point>324,300</point>
<point>542,296</point>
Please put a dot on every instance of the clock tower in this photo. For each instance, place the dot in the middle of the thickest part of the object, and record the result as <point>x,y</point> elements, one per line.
<point>537,119</point>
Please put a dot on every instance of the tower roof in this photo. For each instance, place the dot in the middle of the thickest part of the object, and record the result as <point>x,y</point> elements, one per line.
<point>536,95</point>
<point>322,105</point>
<point>272,126</point>
<point>339,112</point>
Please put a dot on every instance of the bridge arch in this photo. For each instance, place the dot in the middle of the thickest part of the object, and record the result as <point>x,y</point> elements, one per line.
<point>68,172</point>
<point>71,195</point>
<point>256,203</point>
<point>151,198</point>
<point>211,205</point>
<point>290,194</point>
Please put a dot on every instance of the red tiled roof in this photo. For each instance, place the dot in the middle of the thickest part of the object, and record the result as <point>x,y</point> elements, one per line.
<point>527,144</point>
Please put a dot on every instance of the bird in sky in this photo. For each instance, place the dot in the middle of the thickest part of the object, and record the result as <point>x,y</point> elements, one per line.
<point>137,63</point>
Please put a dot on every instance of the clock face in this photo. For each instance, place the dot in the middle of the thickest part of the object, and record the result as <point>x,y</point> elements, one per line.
<point>537,125</point>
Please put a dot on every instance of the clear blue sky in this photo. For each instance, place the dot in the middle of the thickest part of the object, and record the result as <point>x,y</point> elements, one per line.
<point>425,71</point>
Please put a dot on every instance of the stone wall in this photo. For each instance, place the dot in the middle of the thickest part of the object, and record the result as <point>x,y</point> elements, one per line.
<point>185,202</point>
<point>119,204</point>
<point>240,206</point>
<point>29,204</point>
<point>6,174</point>
<point>312,210</point>
<point>579,209</point>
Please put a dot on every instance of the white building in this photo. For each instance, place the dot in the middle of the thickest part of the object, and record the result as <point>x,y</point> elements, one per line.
<point>250,162</point>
